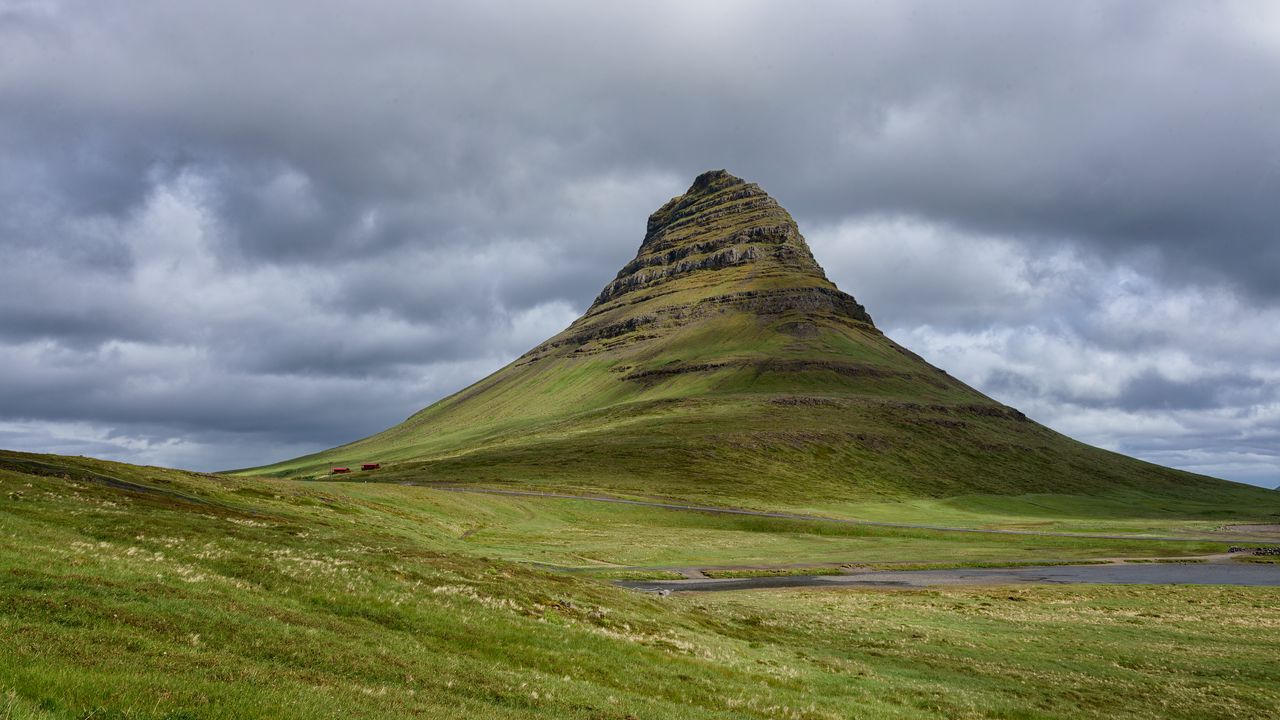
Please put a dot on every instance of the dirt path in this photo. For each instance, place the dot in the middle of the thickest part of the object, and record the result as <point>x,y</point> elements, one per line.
<point>819,518</point>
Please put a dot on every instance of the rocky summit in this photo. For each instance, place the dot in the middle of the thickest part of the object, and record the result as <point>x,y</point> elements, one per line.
<point>724,246</point>
<point>721,222</point>
<point>722,363</point>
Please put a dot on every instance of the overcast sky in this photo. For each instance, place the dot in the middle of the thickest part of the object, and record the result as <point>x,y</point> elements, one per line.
<point>234,232</point>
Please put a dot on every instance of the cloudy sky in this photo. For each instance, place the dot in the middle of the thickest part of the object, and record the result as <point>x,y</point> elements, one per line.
<point>234,232</point>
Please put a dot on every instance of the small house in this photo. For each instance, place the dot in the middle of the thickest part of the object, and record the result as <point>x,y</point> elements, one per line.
<point>339,471</point>
<point>370,466</point>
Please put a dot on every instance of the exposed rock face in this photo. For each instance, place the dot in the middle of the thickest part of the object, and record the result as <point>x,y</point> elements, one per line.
<point>649,271</point>
<point>723,246</point>
<point>722,221</point>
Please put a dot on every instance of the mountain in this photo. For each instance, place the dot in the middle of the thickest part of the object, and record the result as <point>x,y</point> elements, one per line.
<point>722,363</point>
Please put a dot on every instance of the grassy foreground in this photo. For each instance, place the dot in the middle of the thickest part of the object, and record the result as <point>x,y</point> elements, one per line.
<point>145,593</point>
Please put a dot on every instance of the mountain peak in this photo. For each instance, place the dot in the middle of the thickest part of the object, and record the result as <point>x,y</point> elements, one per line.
<point>714,179</point>
<point>709,184</point>
<point>722,249</point>
<point>723,233</point>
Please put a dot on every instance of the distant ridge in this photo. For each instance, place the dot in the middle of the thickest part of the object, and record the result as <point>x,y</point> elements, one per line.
<point>721,362</point>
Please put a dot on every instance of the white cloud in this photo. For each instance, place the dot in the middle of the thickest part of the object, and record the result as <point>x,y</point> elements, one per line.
<point>1105,352</point>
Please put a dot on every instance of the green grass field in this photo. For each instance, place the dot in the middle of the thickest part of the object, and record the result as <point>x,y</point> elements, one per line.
<point>132,592</point>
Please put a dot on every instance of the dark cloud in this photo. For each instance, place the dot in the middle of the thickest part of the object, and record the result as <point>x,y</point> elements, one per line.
<point>1152,391</point>
<point>224,221</point>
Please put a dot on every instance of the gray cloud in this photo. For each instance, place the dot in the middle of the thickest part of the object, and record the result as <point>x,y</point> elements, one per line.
<point>1108,352</point>
<point>1150,391</point>
<point>234,231</point>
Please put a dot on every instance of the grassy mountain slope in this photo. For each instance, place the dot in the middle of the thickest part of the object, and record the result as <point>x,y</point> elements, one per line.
<point>722,364</point>
<point>135,593</point>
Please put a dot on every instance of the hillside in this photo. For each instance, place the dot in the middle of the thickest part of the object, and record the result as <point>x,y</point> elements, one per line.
<point>721,363</point>
<point>144,593</point>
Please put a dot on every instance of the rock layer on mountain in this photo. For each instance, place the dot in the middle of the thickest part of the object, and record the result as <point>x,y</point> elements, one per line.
<point>724,233</point>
